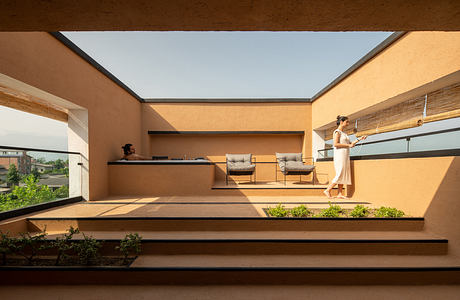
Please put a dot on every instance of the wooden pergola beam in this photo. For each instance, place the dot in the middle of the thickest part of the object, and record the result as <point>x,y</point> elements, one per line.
<point>31,105</point>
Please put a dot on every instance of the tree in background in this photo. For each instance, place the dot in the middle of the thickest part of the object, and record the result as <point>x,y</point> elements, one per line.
<point>32,193</point>
<point>36,173</point>
<point>59,164</point>
<point>13,177</point>
<point>41,160</point>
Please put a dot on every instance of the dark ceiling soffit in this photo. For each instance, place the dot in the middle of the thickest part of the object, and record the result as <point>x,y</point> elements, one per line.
<point>69,44</point>
<point>374,52</point>
<point>227,100</point>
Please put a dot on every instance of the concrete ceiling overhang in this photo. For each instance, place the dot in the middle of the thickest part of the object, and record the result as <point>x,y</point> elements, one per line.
<point>270,15</point>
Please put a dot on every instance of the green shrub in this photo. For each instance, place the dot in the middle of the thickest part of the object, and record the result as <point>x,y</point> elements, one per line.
<point>300,211</point>
<point>28,246</point>
<point>62,192</point>
<point>333,211</point>
<point>131,243</point>
<point>279,211</point>
<point>388,212</point>
<point>7,245</point>
<point>30,194</point>
<point>87,249</point>
<point>64,244</point>
<point>360,211</point>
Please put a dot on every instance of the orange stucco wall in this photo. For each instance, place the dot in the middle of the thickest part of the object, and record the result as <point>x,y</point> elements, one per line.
<point>38,59</point>
<point>421,187</point>
<point>227,117</point>
<point>161,180</point>
<point>417,59</point>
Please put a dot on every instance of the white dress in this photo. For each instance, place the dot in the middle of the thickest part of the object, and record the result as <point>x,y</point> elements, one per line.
<point>342,161</point>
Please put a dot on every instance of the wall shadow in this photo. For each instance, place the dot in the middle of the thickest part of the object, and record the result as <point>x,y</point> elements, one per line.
<point>443,213</point>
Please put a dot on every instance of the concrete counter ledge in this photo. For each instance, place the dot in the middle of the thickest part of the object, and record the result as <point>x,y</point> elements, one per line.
<point>161,177</point>
<point>162,162</point>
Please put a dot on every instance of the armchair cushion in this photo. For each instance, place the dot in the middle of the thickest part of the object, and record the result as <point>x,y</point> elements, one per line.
<point>240,163</point>
<point>291,163</point>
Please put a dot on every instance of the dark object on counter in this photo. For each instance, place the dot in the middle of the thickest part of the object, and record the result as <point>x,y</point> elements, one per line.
<point>177,159</point>
<point>159,157</point>
<point>199,158</point>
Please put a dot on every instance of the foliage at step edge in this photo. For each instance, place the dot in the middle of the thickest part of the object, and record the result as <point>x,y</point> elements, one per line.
<point>29,246</point>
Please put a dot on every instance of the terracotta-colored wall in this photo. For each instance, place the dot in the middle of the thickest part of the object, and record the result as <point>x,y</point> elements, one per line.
<point>227,117</point>
<point>38,59</point>
<point>421,187</point>
<point>7,161</point>
<point>161,180</point>
<point>418,58</point>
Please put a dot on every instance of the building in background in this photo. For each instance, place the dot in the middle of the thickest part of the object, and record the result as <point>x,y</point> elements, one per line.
<point>42,167</point>
<point>20,159</point>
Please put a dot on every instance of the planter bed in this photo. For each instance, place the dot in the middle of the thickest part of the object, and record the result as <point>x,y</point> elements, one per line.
<point>344,215</point>
<point>73,261</point>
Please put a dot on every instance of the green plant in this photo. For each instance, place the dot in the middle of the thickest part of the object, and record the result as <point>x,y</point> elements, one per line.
<point>62,192</point>
<point>333,211</point>
<point>64,244</point>
<point>28,246</point>
<point>300,211</point>
<point>7,244</point>
<point>360,211</point>
<point>30,194</point>
<point>278,211</point>
<point>36,173</point>
<point>87,249</point>
<point>131,243</point>
<point>13,177</point>
<point>388,212</point>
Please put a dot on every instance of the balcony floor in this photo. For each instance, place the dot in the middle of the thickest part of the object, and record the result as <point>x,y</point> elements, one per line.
<point>189,206</point>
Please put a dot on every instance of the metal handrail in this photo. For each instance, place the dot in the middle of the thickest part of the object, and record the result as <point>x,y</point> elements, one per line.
<point>406,137</point>
<point>38,150</point>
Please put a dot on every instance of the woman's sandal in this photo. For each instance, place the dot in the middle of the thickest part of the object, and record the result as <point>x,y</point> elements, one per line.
<point>342,197</point>
<point>328,194</point>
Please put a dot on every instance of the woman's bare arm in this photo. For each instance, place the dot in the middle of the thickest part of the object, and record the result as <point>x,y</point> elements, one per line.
<point>351,145</point>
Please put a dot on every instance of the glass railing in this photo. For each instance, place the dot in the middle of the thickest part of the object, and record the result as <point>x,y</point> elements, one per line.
<point>33,176</point>
<point>430,141</point>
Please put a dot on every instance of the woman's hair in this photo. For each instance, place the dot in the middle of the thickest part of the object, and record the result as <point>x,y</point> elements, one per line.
<point>341,119</point>
<point>126,148</point>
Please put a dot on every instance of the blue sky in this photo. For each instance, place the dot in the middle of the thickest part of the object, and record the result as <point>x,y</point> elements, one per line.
<point>206,65</point>
<point>226,64</point>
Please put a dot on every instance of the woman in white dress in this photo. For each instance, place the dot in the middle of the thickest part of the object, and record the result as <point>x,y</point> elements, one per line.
<point>342,147</point>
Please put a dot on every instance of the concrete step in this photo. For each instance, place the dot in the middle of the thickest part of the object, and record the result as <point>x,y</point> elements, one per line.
<point>122,291</point>
<point>290,188</point>
<point>294,261</point>
<point>223,224</point>
<point>276,242</point>
<point>199,276</point>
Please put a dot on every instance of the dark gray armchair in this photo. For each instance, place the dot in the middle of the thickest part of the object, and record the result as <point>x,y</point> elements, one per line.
<point>292,164</point>
<point>240,164</point>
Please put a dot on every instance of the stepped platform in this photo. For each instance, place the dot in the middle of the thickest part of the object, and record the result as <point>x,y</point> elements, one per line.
<point>191,206</point>
<point>216,240</point>
<point>269,188</point>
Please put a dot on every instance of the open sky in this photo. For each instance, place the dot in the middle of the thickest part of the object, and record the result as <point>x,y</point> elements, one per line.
<point>204,65</point>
